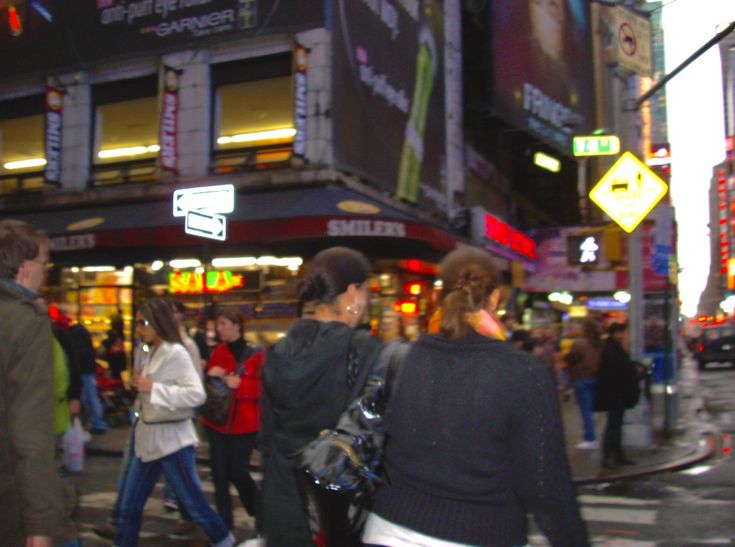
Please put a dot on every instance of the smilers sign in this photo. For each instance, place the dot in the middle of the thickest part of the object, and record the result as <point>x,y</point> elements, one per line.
<point>365,228</point>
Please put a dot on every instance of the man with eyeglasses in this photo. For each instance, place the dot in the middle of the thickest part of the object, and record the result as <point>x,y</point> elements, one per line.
<point>32,507</point>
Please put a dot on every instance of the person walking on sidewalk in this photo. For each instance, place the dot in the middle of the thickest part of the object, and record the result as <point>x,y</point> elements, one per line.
<point>237,364</point>
<point>32,503</point>
<point>583,362</point>
<point>169,388</point>
<point>617,390</point>
<point>82,343</point>
<point>474,433</point>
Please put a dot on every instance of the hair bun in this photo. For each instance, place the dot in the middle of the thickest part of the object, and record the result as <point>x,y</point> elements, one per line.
<point>313,287</point>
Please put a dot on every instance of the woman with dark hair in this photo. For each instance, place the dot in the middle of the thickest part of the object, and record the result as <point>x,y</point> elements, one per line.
<point>237,364</point>
<point>308,377</point>
<point>474,433</point>
<point>164,440</point>
<point>113,346</point>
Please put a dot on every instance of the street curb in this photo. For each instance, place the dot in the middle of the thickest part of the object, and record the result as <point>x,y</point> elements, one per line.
<point>699,455</point>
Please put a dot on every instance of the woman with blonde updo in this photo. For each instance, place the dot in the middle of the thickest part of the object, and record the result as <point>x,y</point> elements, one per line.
<point>474,434</point>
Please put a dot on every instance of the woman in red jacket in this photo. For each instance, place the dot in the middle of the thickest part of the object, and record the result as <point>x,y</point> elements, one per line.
<point>237,364</point>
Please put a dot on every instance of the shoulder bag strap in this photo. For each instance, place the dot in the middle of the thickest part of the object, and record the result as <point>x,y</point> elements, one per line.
<point>396,359</point>
<point>356,377</point>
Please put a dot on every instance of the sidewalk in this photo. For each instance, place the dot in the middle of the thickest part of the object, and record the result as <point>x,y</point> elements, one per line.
<point>690,442</point>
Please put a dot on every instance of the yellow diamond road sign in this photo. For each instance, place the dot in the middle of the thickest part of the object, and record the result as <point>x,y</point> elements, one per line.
<point>628,191</point>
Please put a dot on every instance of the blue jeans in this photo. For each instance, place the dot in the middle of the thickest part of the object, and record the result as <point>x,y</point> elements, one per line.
<point>91,402</point>
<point>180,471</point>
<point>584,390</point>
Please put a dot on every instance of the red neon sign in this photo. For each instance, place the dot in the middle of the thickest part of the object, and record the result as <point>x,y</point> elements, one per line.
<point>505,235</point>
<point>194,283</point>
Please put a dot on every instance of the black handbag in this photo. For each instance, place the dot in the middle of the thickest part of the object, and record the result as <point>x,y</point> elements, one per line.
<point>347,460</point>
<point>216,408</point>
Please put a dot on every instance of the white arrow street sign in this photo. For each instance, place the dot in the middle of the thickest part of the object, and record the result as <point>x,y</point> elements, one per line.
<point>206,225</point>
<point>210,199</point>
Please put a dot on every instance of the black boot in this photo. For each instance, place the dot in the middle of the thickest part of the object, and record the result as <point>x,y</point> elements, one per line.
<point>608,456</point>
<point>620,458</point>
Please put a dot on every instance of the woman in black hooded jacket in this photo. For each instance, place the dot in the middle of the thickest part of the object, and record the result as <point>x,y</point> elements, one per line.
<point>307,380</point>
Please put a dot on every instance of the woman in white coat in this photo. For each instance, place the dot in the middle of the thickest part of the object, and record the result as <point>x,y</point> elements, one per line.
<point>169,389</point>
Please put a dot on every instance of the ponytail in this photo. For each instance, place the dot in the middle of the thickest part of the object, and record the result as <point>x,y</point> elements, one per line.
<point>469,277</point>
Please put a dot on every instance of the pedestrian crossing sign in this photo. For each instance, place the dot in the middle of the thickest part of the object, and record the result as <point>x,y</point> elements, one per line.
<point>628,191</point>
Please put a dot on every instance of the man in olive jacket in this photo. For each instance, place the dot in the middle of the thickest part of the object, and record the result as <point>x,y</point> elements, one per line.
<point>31,503</point>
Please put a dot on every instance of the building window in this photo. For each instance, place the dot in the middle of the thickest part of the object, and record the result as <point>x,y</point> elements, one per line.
<point>125,131</point>
<point>253,125</point>
<point>22,156</point>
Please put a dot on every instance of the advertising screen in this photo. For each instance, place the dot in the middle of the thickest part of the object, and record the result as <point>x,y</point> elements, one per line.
<point>388,95</point>
<point>75,33</point>
<point>542,60</point>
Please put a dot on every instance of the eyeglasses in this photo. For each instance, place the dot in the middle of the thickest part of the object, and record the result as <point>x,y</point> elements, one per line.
<point>142,322</point>
<point>45,264</point>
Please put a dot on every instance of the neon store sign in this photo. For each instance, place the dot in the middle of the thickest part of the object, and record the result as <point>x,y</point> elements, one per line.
<point>218,281</point>
<point>503,234</point>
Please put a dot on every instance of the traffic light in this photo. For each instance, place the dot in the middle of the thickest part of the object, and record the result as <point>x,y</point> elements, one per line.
<point>613,239</point>
<point>14,21</point>
<point>582,250</point>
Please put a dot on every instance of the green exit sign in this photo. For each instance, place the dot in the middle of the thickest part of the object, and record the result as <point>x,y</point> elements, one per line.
<point>596,145</point>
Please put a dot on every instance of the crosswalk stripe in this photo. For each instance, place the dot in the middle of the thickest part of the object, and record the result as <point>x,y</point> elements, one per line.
<point>625,516</point>
<point>614,500</point>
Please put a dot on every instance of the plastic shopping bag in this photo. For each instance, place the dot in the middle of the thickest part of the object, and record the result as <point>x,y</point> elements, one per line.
<point>73,445</point>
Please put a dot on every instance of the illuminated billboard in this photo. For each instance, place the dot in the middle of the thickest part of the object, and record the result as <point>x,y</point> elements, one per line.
<point>542,67</point>
<point>388,96</point>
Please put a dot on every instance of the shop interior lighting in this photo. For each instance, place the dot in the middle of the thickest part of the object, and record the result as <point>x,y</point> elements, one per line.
<point>185,263</point>
<point>25,164</point>
<point>438,284</point>
<point>622,296</point>
<point>290,262</point>
<point>199,270</point>
<point>285,133</point>
<point>127,151</point>
<point>157,265</point>
<point>561,297</point>
<point>98,269</point>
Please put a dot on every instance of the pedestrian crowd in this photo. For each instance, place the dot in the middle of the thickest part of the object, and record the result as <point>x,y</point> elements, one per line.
<point>464,418</point>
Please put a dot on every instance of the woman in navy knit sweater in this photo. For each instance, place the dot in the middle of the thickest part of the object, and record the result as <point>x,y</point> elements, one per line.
<point>474,433</point>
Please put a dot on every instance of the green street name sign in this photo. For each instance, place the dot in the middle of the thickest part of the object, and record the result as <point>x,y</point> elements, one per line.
<point>596,145</point>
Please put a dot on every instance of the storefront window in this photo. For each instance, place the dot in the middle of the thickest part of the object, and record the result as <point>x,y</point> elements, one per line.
<point>252,113</point>
<point>94,296</point>
<point>22,156</point>
<point>264,289</point>
<point>126,131</point>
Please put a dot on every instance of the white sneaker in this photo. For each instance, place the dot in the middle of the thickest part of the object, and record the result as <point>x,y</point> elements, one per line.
<point>253,542</point>
<point>588,445</point>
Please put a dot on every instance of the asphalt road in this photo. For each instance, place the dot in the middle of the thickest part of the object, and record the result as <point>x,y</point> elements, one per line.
<point>692,507</point>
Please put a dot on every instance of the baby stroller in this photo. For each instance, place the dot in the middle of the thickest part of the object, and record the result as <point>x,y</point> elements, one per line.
<point>116,400</point>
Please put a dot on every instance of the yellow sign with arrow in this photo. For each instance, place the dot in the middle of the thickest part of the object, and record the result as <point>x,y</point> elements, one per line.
<point>628,191</point>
